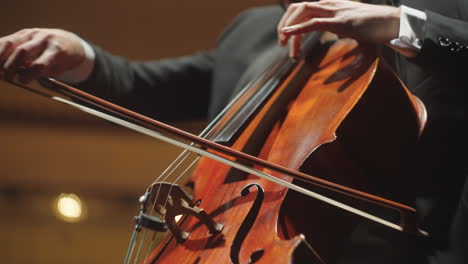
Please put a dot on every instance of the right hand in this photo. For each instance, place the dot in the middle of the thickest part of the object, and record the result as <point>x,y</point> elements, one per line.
<point>35,53</point>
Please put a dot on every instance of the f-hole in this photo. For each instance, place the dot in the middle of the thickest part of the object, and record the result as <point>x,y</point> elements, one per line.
<point>247,225</point>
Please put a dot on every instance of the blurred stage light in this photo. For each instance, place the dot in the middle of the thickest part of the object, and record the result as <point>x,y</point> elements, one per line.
<point>69,207</point>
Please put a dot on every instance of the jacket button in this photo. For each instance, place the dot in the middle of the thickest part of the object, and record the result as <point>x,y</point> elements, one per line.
<point>444,42</point>
<point>455,47</point>
<point>419,42</point>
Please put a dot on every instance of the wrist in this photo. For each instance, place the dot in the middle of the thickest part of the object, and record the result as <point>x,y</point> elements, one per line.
<point>82,69</point>
<point>394,17</point>
<point>410,36</point>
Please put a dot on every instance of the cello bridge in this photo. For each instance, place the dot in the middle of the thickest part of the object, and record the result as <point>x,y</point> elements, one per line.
<point>170,203</point>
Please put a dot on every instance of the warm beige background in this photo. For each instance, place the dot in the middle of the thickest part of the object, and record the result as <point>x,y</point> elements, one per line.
<point>47,148</point>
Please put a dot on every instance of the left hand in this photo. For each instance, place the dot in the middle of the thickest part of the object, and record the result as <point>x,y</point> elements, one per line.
<point>363,22</point>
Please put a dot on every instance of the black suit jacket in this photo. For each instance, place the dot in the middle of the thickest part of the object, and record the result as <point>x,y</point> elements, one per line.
<point>198,86</point>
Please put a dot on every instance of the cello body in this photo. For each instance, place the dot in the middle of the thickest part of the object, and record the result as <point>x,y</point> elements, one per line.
<point>342,116</point>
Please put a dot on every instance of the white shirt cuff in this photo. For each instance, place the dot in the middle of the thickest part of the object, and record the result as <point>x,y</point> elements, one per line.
<point>83,71</point>
<point>410,38</point>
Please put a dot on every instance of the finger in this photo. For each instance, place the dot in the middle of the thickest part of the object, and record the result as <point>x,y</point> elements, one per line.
<point>23,54</point>
<point>302,13</point>
<point>28,49</point>
<point>6,47</point>
<point>9,43</point>
<point>316,24</point>
<point>46,65</point>
<point>295,46</point>
<point>297,16</point>
<point>285,16</point>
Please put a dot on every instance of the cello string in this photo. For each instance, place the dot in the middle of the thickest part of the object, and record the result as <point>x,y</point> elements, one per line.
<point>132,240</point>
<point>169,170</point>
<point>180,176</point>
<point>131,246</point>
<point>165,202</point>
<point>180,159</point>
<point>204,132</point>
<point>150,246</point>
<point>139,247</point>
<point>172,167</point>
<point>312,249</point>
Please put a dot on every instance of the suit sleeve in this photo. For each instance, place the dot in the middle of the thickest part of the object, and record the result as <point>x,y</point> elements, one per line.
<point>445,43</point>
<point>170,89</point>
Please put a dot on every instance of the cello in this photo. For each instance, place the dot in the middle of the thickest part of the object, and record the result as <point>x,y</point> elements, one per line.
<point>237,217</point>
